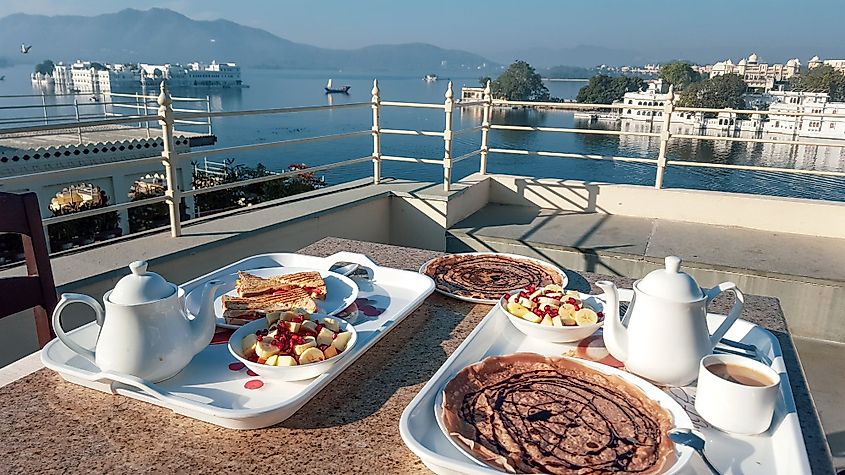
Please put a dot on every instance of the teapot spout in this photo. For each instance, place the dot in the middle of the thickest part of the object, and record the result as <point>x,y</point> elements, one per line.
<point>614,333</point>
<point>204,322</point>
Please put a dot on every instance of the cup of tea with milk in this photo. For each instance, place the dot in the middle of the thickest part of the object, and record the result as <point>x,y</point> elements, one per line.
<point>736,394</point>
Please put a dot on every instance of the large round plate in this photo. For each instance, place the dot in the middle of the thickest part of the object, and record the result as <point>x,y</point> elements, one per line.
<point>680,418</point>
<point>564,279</point>
<point>341,291</point>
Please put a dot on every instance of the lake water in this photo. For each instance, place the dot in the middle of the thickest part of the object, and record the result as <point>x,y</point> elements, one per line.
<point>273,88</point>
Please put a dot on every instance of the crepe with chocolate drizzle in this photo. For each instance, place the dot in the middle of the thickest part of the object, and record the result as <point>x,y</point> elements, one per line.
<point>488,276</point>
<point>527,413</point>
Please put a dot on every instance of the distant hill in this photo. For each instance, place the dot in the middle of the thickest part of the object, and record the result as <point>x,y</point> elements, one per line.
<point>581,55</point>
<point>161,35</point>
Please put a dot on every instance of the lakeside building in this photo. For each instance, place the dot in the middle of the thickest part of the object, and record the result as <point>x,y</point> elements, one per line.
<point>830,127</point>
<point>656,95</point>
<point>93,77</point>
<point>193,75</point>
<point>757,75</point>
<point>472,93</point>
<point>837,64</point>
<point>90,77</point>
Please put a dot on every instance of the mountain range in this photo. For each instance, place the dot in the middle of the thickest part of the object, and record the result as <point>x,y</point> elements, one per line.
<point>162,35</point>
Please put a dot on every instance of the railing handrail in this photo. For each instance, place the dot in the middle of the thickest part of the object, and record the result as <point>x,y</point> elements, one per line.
<point>168,116</point>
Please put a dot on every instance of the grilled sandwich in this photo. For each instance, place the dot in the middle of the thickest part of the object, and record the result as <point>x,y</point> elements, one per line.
<point>249,285</point>
<point>240,310</point>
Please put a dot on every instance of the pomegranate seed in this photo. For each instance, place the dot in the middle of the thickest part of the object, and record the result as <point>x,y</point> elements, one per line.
<point>334,336</point>
<point>577,307</point>
<point>506,296</point>
<point>259,337</point>
<point>571,301</point>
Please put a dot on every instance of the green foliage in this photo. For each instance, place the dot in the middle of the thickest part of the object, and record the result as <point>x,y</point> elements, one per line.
<point>520,82</point>
<point>679,74</point>
<point>605,90</point>
<point>484,79</point>
<point>83,230</point>
<point>250,194</point>
<point>822,79</point>
<point>45,67</point>
<point>718,93</point>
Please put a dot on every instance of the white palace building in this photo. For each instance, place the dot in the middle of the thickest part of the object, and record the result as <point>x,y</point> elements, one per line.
<point>93,77</point>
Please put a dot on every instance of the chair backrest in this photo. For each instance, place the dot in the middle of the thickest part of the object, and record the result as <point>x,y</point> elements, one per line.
<point>20,214</point>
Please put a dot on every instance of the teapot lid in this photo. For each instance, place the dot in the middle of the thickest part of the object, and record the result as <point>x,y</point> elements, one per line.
<point>140,286</point>
<point>670,283</point>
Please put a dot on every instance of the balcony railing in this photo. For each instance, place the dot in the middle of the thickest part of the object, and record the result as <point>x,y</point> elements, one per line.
<point>167,117</point>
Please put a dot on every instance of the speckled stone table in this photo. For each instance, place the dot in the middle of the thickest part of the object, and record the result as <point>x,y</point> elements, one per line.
<point>352,426</point>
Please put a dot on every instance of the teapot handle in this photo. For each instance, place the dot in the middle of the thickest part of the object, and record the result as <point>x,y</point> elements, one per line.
<point>732,315</point>
<point>66,300</point>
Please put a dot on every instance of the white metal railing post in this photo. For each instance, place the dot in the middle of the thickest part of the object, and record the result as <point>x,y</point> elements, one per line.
<point>44,106</point>
<point>485,127</point>
<point>376,106</point>
<point>668,107</point>
<point>78,128</point>
<point>448,106</point>
<point>208,109</point>
<point>146,112</point>
<point>168,159</point>
<point>138,109</point>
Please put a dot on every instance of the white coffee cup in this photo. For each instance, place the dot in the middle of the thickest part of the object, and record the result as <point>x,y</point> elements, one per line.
<point>745,409</point>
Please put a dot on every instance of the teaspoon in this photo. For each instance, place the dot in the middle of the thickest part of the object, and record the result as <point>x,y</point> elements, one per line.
<point>688,438</point>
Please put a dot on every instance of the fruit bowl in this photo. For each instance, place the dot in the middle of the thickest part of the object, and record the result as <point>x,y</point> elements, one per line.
<point>540,326</point>
<point>288,373</point>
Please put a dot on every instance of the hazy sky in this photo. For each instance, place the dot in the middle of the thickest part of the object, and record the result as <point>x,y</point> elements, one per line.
<point>700,30</point>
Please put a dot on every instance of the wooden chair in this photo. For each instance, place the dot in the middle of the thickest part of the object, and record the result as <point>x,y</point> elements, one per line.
<point>20,214</point>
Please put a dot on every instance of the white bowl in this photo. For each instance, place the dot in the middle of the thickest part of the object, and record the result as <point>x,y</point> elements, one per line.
<point>288,373</point>
<point>556,334</point>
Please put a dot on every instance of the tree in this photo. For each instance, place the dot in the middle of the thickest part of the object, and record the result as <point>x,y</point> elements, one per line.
<point>520,82</point>
<point>45,67</point>
<point>679,74</point>
<point>483,80</point>
<point>824,79</point>
<point>606,90</point>
<point>719,92</point>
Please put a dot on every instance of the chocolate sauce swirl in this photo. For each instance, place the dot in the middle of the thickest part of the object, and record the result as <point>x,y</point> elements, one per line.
<point>488,276</point>
<point>544,419</point>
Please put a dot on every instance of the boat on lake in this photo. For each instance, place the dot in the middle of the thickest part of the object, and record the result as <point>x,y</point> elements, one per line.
<point>430,78</point>
<point>336,90</point>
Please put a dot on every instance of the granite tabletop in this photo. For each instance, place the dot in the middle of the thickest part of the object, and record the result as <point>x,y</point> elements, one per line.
<point>51,426</point>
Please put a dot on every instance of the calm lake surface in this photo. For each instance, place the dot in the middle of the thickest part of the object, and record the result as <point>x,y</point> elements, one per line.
<point>274,88</point>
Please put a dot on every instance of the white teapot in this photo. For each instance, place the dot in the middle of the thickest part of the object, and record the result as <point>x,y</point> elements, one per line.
<point>666,334</point>
<point>145,331</point>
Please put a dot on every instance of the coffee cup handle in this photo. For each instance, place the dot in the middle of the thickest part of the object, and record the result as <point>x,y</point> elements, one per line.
<point>66,300</point>
<point>736,310</point>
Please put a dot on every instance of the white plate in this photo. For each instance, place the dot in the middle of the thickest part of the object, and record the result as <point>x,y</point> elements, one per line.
<point>341,291</point>
<point>680,419</point>
<point>563,283</point>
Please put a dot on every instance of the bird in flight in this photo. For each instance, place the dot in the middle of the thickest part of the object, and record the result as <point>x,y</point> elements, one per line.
<point>25,48</point>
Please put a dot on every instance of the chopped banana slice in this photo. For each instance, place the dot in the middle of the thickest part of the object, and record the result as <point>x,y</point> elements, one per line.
<point>248,345</point>
<point>532,318</point>
<point>311,355</point>
<point>517,310</point>
<point>586,316</point>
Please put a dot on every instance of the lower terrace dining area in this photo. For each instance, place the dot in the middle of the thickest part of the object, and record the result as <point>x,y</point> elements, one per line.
<point>785,254</point>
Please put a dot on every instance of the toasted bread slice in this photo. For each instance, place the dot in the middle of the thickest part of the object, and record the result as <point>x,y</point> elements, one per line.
<point>311,281</point>
<point>249,285</point>
<point>252,308</point>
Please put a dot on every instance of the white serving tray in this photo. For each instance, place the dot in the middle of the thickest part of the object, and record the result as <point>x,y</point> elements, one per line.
<point>781,450</point>
<point>209,390</point>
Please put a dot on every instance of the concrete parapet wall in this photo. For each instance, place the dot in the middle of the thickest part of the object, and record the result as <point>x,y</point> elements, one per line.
<point>765,213</point>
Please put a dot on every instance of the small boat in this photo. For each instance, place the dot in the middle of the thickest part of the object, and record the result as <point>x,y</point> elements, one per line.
<point>430,78</point>
<point>338,90</point>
